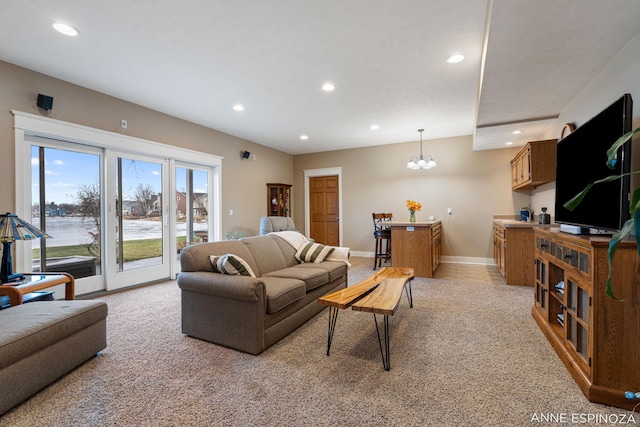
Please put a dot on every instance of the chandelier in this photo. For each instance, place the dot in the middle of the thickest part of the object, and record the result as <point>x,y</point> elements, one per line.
<point>420,162</point>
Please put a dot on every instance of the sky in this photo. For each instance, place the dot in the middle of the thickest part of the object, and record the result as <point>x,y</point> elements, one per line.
<point>66,171</point>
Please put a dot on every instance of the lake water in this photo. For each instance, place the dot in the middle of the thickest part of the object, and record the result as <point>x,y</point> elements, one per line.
<point>65,231</point>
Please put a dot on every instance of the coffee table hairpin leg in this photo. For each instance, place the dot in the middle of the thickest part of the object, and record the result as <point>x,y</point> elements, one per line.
<point>408,289</point>
<point>386,353</point>
<point>333,319</point>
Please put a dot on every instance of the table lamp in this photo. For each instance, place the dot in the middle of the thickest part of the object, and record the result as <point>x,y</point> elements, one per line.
<point>13,228</point>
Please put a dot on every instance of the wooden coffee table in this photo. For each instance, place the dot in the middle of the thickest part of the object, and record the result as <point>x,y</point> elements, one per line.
<point>378,294</point>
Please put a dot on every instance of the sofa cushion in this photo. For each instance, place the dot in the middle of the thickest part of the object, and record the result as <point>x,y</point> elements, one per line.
<point>266,253</point>
<point>313,252</point>
<point>288,251</point>
<point>335,269</point>
<point>281,292</point>
<point>28,328</point>
<point>231,264</point>
<point>196,257</point>
<point>312,277</point>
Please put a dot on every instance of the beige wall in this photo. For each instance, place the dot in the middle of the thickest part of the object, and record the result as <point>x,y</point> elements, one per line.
<point>243,181</point>
<point>620,76</point>
<point>475,184</point>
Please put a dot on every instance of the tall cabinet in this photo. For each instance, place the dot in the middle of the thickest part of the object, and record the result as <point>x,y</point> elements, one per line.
<point>278,199</point>
<point>595,336</point>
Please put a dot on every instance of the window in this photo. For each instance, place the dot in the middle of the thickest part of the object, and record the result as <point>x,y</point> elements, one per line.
<point>66,165</point>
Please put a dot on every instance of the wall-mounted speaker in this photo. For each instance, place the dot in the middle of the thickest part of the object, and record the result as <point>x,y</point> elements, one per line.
<point>45,102</point>
<point>245,154</point>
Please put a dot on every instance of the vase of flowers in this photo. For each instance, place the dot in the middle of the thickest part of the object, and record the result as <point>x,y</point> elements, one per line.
<point>413,207</point>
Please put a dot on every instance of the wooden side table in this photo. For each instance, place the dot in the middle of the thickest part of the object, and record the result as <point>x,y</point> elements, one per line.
<point>36,282</point>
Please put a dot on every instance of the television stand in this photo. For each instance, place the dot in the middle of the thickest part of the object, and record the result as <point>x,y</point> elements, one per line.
<point>596,337</point>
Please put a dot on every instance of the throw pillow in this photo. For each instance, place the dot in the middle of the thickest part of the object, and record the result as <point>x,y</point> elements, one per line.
<point>231,264</point>
<point>313,252</point>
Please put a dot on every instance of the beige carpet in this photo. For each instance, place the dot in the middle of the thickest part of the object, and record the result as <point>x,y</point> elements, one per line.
<point>467,354</point>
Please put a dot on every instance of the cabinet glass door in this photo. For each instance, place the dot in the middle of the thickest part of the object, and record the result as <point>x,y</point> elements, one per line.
<point>541,284</point>
<point>279,198</point>
<point>578,320</point>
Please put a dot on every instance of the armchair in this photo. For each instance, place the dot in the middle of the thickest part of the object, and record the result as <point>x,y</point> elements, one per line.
<point>269,224</point>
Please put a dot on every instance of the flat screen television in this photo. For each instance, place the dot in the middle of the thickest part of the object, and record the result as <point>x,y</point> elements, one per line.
<point>581,159</point>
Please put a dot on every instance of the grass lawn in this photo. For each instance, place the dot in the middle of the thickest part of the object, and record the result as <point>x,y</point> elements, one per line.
<point>133,250</point>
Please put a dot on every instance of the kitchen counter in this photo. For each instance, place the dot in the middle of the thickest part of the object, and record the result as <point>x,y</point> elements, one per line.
<point>417,223</point>
<point>513,246</point>
<point>512,223</point>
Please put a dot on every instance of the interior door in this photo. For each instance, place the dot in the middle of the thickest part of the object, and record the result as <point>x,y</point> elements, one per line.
<point>324,208</point>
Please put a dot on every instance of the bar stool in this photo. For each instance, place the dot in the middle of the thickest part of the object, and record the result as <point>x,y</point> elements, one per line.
<point>382,235</point>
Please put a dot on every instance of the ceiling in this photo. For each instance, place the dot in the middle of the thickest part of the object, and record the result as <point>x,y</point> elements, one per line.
<point>524,60</point>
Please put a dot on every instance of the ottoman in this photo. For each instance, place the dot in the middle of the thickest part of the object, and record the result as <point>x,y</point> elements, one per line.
<point>42,341</point>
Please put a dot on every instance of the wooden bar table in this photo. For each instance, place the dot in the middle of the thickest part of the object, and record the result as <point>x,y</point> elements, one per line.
<point>416,245</point>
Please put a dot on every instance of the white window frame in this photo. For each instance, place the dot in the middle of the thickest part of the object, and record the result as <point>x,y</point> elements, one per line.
<point>31,124</point>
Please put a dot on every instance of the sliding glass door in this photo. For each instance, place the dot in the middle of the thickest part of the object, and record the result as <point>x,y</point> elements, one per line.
<point>139,245</point>
<point>140,226</point>
<point>192,205</point>
<point>66,203</point>
<point>119,209</point>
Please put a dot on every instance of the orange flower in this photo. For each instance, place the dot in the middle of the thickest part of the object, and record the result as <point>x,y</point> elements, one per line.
<point>414,206</point>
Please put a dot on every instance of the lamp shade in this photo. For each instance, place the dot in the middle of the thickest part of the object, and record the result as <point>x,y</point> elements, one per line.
<point>14,228</point>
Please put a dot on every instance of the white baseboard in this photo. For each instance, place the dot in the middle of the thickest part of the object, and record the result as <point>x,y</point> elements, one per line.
<point>467,260</point>
<point>444,259</point>
<point>362,254</point>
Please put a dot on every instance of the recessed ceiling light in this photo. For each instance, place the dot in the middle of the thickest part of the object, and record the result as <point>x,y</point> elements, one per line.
<point>374,127</point>
<point>328,87</point>
<point>238,107</point>
<point>304,137</point>
<point>509,143</point>
<point>455,59</point>
<point>65,29</point>
<point>517,132</point>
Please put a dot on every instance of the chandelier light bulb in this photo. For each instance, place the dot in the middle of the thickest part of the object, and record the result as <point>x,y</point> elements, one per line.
<point>419,162</point>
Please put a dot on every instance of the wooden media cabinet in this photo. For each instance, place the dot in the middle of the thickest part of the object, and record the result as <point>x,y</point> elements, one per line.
<point>595,336</point>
